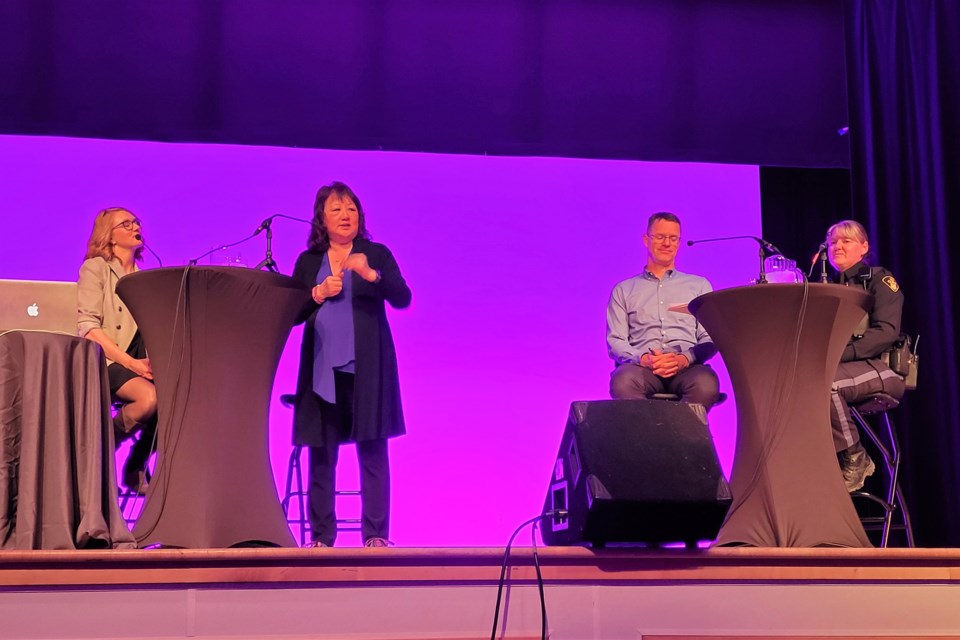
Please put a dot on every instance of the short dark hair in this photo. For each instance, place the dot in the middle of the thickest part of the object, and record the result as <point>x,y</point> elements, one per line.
<point>319,239</point>
<point>662,215</point>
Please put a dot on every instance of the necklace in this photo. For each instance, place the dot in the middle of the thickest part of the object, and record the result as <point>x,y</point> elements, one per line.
<point>337,259</point>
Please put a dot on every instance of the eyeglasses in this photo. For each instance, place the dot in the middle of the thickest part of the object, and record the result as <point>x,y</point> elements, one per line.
<point>660,237</point>
<point>128,224</point>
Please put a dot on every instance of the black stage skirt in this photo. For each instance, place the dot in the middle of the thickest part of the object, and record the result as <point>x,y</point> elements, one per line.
<point>119,374</point>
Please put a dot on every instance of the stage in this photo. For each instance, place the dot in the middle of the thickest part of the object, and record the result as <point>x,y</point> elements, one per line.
<point>451,593</point>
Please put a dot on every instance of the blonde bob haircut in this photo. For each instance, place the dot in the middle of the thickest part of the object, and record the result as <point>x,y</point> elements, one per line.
<point>848,229</point>
<point>100,243</point>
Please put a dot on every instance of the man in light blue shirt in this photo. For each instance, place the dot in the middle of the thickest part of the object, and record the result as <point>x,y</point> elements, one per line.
<point>656,349</point>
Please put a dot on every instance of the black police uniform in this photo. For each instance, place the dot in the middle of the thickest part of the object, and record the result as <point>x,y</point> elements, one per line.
<point>861,372</point>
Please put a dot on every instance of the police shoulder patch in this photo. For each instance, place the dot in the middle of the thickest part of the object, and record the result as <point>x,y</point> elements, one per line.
<point>891,282</point>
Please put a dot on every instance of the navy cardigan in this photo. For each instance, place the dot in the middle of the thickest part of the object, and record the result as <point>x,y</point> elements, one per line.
<point>377,412</point>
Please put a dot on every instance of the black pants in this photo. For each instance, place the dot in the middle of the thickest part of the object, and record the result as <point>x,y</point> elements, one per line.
<point>373,458</point>
<point>696,383</point>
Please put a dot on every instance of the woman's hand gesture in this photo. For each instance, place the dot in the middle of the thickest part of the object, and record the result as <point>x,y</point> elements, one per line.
<point>330,287</point>
<point>358,262</point>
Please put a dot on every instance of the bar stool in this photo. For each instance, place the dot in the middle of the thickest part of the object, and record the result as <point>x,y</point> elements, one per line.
<point>721,398</point>
<point>891,501</point>
<point>295,493</point>
<point>131,504</point>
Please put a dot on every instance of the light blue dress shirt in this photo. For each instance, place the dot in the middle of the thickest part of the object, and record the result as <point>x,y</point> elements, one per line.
<point>639,319</point>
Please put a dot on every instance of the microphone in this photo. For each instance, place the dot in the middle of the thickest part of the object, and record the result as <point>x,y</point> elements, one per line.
<point>140,238</point>
<point>763,243</point>
<point>265,224</point>
<point>764,246</point>
<point>820,251</point>
<point>821,256</point>
<point>768,246</point>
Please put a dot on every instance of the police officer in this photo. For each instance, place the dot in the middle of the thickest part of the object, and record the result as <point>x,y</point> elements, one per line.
<point>861,372</point>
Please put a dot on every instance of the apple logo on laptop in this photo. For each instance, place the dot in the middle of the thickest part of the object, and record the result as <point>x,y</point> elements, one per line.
<point>33,310</point>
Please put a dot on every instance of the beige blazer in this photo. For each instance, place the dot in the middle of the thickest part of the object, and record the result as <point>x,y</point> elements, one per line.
<point>98,306</point>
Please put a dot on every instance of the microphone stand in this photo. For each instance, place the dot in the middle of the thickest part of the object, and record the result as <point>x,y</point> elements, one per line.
<point>763,244</point>
<point>762,278</point>
<point>268,262</point>
<point>823,267</point>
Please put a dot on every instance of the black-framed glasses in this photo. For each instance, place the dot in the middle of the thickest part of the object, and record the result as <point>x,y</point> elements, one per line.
<point>128,224</point>
<point>661,237</point>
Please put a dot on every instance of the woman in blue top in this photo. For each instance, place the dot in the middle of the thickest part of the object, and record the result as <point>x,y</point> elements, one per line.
<point>348,389</point>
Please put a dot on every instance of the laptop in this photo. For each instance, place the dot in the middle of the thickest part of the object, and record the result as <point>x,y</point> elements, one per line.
<point>38,305</point>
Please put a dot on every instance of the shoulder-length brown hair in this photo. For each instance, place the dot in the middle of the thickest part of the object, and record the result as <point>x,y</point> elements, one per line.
<point>99,244</point>
<point>319,239</point>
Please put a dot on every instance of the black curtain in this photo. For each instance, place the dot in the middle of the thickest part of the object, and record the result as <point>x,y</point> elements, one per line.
<point>903,89</point>
<point>739,81</point>
<point>798,204</point>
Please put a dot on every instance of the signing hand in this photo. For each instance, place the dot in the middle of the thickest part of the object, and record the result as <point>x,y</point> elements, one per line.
<point>330,287</point>
<point>141,368</point>
<point>358,262</point>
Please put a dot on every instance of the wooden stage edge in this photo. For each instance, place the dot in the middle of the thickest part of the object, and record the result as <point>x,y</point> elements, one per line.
<point>295,568</point>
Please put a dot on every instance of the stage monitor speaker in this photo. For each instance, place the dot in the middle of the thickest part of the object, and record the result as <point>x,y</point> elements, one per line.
<point>635,471</point>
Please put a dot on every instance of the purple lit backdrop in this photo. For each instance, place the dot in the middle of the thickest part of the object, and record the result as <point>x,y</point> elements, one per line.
<point>510,260</point>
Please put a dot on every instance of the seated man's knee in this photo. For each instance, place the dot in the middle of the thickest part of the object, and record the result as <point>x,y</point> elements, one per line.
<point>703,386</point>
<point>627,382</point>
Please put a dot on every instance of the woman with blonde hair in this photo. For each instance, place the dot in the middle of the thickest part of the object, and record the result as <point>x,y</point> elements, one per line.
<point>113,250</point>
<point>861,372</point>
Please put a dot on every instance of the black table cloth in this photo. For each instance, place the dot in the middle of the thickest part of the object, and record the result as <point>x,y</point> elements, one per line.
<point>214,336</point>
<point>58,485</point>
<point>781,344</point>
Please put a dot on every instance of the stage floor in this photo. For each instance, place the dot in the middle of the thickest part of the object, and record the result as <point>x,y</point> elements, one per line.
<point>434,566</point>
<point>451,593</point>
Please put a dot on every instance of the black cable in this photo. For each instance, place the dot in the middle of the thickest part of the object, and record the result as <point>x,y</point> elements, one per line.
<point>304,220</point>
<point>506,559</point>
<point>148,248</point>
<point>536,564</point>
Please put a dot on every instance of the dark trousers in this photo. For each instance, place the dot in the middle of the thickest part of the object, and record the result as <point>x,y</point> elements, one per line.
<point>374,461</point>
<point>696,383</point>
<point>853,383</point>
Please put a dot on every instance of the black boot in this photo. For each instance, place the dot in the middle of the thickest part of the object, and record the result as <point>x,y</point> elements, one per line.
<point>856,466</point>
<point>135,475</point>
<point>120,430</point>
